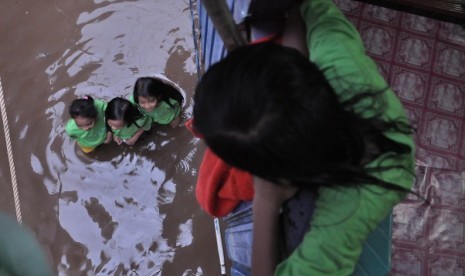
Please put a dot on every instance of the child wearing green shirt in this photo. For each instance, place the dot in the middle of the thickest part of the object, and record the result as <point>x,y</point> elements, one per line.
<point>87,123</point>
<point>158,100</point>
<point>125,121</point>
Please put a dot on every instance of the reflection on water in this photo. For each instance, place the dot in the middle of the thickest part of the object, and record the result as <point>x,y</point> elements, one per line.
<point>114,208</point>
<point>132,38</point>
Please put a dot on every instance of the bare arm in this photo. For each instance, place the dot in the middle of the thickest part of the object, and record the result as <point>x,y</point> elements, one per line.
<point>131,141</point>
<point>294,31</point>
<point>175,122</point>
<point>267,202</point>
<point>109,137</point>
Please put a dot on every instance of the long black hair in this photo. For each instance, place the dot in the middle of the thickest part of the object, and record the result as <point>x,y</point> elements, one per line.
<point>150,87</point>
<point>268,110</point>
<point>122,109</point>
<point>83,107</point>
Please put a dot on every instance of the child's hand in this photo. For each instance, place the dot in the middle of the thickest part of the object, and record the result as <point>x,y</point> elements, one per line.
<point>175,121</point>
<point>131,141</point>
<point>109,137</point>
<point>117,140</point>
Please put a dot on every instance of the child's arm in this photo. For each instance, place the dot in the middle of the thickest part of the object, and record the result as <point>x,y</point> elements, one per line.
<point>294,31</point>
<point>144,124</point>
<point>117,140</point>
<point>175,122</point>
<point>109,137</point>
<point>131,141</point>
<point>267,202</point>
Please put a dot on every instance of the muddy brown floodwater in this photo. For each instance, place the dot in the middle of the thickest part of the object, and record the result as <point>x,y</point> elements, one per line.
<point>120,210</point>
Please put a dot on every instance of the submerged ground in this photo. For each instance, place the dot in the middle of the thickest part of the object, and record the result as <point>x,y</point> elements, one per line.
<point>120,210</point>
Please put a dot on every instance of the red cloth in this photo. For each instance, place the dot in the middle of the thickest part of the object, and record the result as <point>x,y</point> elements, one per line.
<point>220,187</point>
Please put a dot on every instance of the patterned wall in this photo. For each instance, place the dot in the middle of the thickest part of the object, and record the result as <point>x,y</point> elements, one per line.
<point>424,61</point>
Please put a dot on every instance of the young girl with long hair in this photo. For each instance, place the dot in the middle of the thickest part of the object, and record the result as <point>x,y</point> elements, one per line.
<point>125,121</point>
<point>158,100</point>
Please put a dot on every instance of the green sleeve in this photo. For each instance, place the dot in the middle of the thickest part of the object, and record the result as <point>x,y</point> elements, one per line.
<point>72,130</point>
<point>101,105</point>
<point>345,216</point>
<point>336,47</point>
<point>166,113</point>
<point>342,220</point>
<point>131,99</point>
<point>145,122</point>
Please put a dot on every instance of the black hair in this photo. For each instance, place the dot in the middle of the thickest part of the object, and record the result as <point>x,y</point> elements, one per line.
<point>122,109</point>
<point>83,107</point>
<point>268,110</point>
<point>156,88</point>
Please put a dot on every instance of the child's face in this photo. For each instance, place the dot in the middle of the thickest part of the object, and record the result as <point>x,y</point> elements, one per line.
<point>84,123</point>
<point>148,103</point>
<point>116,124</point>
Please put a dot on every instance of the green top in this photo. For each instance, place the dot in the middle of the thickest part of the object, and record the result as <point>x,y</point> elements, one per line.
<point>20,252</point>
<point>127,132</point>
<point>344,216</point>
<point>94,136</point>
<point>163,113</point>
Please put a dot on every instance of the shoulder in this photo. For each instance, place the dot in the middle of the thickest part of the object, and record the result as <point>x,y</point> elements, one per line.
<point>336,47</point>
<point>71,128</point>
<point>174,102</point>
<point>100,104</point>
<point>131,99</point>
<point>143,119</point>
<point>144,122</point>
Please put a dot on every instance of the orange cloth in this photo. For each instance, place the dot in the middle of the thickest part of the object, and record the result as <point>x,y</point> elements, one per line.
<point>220,187</point>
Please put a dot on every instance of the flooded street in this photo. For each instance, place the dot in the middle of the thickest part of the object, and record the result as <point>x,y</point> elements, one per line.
<point>121,210</point>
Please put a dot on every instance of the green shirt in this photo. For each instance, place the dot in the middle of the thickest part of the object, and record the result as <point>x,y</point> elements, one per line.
<point>94,136</point>
<point>127,132</point>
<point>163,113</point>
<point>344,216</point>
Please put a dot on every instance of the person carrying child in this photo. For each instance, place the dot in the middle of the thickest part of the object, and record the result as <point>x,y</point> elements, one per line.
<point>87,123</point>
<point>125,121</point>
<point>330,124</point>
<point>158,100</point>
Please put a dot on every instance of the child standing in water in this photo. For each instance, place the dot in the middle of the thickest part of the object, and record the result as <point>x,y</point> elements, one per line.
<point>87,123</point>
<point>125,121</point>
<point>158,100</point>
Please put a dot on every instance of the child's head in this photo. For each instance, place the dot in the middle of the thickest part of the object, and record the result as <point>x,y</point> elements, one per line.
<point>83,112</point>
<point>148,92</point>
<point>120,112</point>
<point>268,110</point>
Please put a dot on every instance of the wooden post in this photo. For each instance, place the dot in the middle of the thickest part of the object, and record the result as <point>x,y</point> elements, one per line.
<point>222,19</point>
